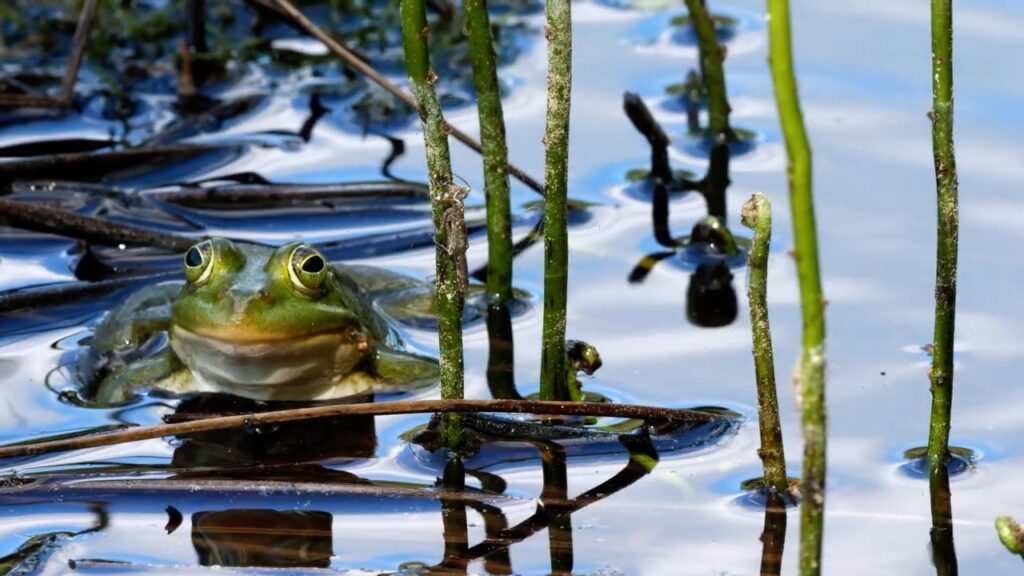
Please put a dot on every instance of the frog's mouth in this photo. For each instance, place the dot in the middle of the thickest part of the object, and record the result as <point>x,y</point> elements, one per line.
<point>224,364</point>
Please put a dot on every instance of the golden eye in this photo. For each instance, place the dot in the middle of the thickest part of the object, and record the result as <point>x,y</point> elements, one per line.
<point>307,269</point>
<point>199,263</point>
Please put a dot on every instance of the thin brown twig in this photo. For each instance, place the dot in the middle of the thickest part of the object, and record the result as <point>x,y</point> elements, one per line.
<point>365,409</point>
<point>70,291</point>
<point>353,60</point>
<point>67,86</point>
<point>242,195</point>
<point>78,43</point>
<point>45,219</point>
<point>80,488</point>
<point>91,166</point>
<point>30,101</point>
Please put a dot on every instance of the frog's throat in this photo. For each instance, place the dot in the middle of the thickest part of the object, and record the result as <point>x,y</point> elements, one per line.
<point>281,368</point>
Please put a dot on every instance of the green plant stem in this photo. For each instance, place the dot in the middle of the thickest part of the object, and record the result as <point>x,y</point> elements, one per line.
<point>712,58</point>
<point>810,375</point>
<point>495,150</point>
<point>941,373</point>
<point>757,215</point>
<point>556,176</point>
<point>450,298</point>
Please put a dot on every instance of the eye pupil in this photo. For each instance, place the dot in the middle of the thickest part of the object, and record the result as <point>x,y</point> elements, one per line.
<point>313,264</point>
<point>193,257</point>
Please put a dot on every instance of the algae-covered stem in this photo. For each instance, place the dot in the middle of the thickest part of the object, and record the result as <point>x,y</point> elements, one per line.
<point>364,68</point>
<point>810,373</point>
<point>946,254</point>
<point>712,58</point>
<point>556,174</point>
<point>450,296</point>
<point>757,215</point>
<point>495,150</point>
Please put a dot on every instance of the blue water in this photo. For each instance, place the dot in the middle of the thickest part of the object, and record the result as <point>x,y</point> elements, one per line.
<point>864,78</point>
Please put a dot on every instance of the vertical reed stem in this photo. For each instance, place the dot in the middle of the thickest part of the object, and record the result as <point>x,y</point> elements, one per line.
<point>757,215</point>
<point>946,254</point>
<point>810,374</point>
<point>712,57</point>
<point>556,171</point>
<point>495,150</point>
<point>450,298</point>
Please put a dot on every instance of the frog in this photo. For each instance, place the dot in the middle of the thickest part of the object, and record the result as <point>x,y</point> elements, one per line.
<point>262,322</point>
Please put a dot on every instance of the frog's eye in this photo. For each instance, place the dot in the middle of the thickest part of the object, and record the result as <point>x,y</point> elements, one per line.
<point>307,270</point>
<point>199,263</point>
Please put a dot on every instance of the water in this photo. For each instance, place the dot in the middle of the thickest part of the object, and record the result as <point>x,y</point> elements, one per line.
<point>865,81</point>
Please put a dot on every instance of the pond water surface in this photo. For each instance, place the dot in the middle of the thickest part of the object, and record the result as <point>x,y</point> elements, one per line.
<point>864,77</point>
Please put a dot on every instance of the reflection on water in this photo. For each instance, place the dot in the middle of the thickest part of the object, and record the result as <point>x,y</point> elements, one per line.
<point>273,538</point>
<point>296,119</point>
<point>943,550</point>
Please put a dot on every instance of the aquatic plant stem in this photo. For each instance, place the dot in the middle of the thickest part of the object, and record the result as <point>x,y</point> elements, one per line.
<point>450,295</point>
<point>495,150</point>
<point>941,373</point>
<point>203,424</point>
<point>757,215</point>
<point>810,373</point>
<point>556,173</point>
<point>712,58</point>
<point>362,67</point>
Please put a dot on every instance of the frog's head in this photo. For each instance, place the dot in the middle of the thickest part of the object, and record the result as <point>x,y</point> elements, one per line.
<point>241,293</point>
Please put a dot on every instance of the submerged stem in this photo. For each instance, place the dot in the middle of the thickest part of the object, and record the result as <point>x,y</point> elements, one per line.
<point>447,221</point>
<point>556,175</point>
<point>757,215</point>
<point>810,375</point>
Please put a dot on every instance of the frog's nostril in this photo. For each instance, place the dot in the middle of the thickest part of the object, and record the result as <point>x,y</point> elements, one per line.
<point>265,297</point>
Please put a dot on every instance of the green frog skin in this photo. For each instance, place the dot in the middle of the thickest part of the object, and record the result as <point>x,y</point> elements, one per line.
<point>261,322</point>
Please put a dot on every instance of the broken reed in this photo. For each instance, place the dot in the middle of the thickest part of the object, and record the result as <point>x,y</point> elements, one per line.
<point>941,373</point>
<point>495,151</point>
<point>712,58</point>
<point>556,172</point>
<point>757,215</point>
<point>810,374</point>
<point>450,298</point>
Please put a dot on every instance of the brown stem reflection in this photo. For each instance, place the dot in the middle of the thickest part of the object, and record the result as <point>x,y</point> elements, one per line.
<point>943,550</point>
<point>773,536</point>
<point>556,489</point>
<point>643,457</point>
<point>453,518</point>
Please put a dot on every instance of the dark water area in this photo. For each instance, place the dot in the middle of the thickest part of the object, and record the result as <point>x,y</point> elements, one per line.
<point>353,494</point>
